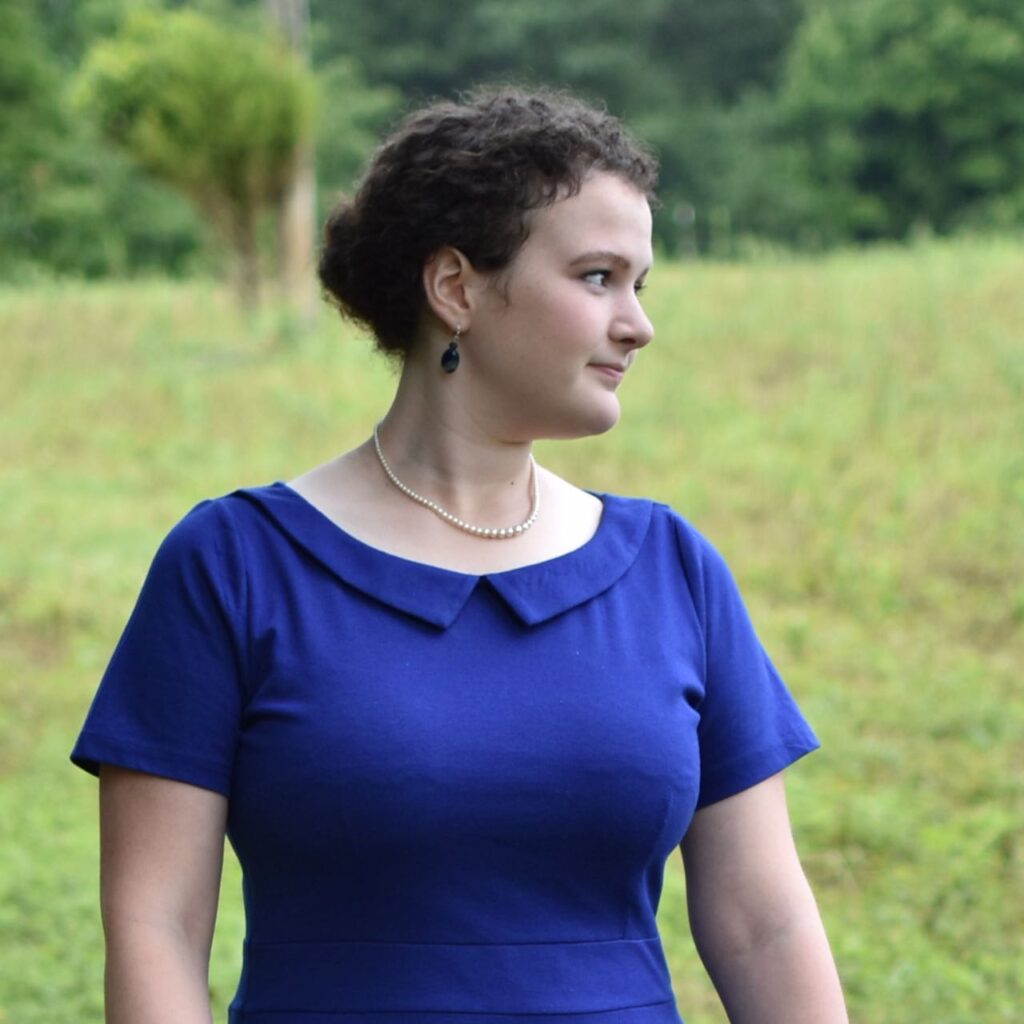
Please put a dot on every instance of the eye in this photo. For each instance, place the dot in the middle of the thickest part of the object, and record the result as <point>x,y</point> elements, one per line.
<point>598,277</point>
<point>639,287</point>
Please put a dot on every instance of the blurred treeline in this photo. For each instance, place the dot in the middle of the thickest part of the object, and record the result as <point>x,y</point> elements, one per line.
<point>789,123</point>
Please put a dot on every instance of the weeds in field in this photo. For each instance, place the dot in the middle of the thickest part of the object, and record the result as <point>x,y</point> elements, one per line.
<point>850,433</point>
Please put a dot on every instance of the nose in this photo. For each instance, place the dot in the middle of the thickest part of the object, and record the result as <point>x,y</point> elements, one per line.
<point>632,326</point>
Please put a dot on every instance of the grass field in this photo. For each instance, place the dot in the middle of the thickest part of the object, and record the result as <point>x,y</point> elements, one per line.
<point>850,434</point>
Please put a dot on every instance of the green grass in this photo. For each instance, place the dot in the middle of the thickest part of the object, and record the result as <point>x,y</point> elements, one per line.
<point>849,432</point>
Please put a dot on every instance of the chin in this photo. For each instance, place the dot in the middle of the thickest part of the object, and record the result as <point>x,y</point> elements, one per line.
<point>589,422</point>
<point>569,421</point>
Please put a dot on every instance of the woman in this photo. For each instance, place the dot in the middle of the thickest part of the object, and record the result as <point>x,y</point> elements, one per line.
<point>452,711</point>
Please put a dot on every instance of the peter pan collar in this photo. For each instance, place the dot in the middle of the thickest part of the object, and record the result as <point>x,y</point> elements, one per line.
<point>534,593</point>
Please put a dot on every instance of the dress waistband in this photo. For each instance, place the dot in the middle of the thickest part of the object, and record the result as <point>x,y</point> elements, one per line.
<point>375,977</point>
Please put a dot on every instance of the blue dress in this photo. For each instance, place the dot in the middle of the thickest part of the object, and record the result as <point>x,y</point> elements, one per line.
<point>452,796</point>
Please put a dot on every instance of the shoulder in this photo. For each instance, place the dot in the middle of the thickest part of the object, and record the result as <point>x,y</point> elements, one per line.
<point>206,547</point>
<point>698,553</point>
<point>672,544</point>
<point>213,518</point>
<point>667,529</point>
<point>208,529</point>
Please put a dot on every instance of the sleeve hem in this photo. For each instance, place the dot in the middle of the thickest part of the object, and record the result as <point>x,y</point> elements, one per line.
<point>94,749</point>
<point>752,769</point>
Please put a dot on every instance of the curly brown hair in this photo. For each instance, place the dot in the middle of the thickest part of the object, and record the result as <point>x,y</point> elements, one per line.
<point>464,174</point>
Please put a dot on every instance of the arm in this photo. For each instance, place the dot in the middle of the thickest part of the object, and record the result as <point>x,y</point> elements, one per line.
<point>753,916</point>
<point>161,852</point>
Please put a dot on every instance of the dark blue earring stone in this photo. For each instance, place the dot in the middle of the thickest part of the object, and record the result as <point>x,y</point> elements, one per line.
<point>450,358</point>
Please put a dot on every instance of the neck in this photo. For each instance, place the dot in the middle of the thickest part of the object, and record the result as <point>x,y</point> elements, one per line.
<point>440,447</point>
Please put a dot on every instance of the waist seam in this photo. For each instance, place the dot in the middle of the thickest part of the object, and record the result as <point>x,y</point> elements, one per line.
<point>463,1013</point>
<point>451,945</point>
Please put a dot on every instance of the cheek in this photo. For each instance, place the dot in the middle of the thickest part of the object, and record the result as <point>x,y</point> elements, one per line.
<point>567,322</point>
<point>552,331</point>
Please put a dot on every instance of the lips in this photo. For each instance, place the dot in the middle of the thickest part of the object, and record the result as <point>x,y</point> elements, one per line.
<point>613,371</point>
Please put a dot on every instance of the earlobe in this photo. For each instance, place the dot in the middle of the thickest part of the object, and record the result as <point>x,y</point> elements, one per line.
<point>448,279</point>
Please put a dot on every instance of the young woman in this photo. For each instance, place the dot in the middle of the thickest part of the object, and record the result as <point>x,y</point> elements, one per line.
<point>453,712</point>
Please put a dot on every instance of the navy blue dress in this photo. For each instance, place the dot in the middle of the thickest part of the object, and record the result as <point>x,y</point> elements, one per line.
<point>452,796</point>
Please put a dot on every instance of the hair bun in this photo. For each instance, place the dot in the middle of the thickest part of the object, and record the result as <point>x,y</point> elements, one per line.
<point>337,264</point>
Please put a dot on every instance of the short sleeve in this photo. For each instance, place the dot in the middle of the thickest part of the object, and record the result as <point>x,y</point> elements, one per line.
<point>750,727</point>
<point>171,698</point>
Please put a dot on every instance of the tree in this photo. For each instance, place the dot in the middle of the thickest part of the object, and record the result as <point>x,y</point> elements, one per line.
<point>350,122</point>
<point>217,113</point>
<point>630,55</point>
<point>910,114</point>
<point>671,68</point>
<point>68,204</point>
<point>29,125</point>
<point>296,227</point>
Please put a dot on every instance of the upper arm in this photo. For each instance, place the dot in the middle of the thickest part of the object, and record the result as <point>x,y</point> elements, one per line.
<point>161,852</point>
<point>743,875</point>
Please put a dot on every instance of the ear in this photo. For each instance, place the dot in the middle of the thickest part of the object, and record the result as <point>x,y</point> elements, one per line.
<point>450,284</point>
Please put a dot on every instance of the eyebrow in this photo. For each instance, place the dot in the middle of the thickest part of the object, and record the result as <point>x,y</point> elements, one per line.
<point>604,255</point>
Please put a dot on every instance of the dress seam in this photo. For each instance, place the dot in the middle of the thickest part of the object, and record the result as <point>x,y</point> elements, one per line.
<point>456,945</point>
<point>464,1013</point>
<point>241,553</point>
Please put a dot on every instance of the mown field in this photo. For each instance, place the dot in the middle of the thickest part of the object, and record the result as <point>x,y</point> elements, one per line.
<point>850,434</point>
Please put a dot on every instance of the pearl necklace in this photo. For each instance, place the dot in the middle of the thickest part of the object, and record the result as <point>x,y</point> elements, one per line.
<point>487,532</point>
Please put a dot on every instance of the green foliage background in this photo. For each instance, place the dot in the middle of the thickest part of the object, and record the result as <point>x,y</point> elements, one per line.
<point>795,123</point>
<point>907,113</point>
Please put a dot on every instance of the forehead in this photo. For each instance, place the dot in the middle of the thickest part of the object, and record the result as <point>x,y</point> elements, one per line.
<point>608,213</point>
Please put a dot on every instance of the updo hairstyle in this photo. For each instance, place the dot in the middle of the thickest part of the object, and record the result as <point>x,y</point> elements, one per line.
<point>464,174</point>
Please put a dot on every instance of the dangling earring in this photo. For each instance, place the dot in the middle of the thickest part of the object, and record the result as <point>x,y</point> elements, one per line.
<point>450,356</point>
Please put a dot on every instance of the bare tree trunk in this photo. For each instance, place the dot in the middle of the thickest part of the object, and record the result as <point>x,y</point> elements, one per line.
<point>296,227</point>
<point>247,261</point>
<point>296,239</point>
